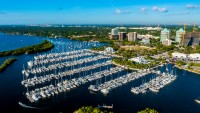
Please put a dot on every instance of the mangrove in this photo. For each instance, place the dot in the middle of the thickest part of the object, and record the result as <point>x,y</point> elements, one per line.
<point>44,46</point>
<point>6,64</point>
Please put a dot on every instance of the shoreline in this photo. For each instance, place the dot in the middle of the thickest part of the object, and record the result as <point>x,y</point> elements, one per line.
<point>134,69</point>
<point>7,63</point>
<point>44,46</point>
<point>187,70</point>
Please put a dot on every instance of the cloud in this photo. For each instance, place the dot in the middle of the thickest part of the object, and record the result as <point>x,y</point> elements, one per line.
<point>161,10</point>
<point>118,11</point>
<point>191,6</point>
<point>155,8</point>
<point>143,10</point>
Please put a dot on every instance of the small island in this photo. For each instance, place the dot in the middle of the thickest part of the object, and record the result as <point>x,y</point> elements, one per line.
<point>90,109</point>
<point>148,110</point>
<point>44,46</point>
<point>6,64</point>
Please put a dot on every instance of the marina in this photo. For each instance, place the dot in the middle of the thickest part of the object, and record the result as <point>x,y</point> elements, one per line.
<point>108,86</point>
<point>175,96</point>
<point>43,69</point>
<point>66,85</point>
<point>57,59</point>
<point>155,84</point>
<point>42,79</point>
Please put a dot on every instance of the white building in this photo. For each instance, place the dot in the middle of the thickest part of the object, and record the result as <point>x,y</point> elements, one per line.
<point>147,28</point>
<point>195,56</point>
<point>165,34</point>
<point>109,50</point>
<point>148,36</point>
<point>177,55</point>
<point>179,35</point>
<point>167,42</point>
<point>115,31</point>
<point>139,60</point>
<point>146,41</point>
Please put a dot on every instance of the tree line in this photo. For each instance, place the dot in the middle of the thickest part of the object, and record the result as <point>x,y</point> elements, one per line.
<point>44,46</point>
<point>6,64</point>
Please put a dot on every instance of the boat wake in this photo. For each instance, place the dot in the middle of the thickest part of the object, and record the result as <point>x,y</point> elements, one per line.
<point>26,106</point>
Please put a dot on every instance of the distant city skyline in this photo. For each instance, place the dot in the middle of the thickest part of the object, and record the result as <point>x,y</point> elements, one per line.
<point>99,12</point>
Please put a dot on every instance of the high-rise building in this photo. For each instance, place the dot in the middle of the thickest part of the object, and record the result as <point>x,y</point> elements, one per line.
<point>165,34</point>
<point>122,36</point>
<point>179,35</point>
<point>132,36</point>
<point>115,31</point>
<point>192,38</point>
<point>195,38</point>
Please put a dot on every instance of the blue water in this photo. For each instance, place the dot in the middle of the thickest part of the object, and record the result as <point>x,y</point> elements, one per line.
<point>176,97</point>
<point>10,42</point>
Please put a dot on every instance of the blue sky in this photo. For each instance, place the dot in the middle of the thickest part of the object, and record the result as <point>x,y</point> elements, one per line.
<point>99,11</point>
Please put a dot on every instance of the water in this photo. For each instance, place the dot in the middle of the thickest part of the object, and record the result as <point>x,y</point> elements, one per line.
<point>176,97</point>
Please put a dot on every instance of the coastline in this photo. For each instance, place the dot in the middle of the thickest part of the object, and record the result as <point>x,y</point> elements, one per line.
<point>189,70</point>
<point>134,69</point>
<point>44,46</point>
<point>7,63</point>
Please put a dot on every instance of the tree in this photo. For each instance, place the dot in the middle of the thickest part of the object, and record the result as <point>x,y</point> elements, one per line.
<point>90,109</point>
<point>148,110</point>
<point>170,53</point>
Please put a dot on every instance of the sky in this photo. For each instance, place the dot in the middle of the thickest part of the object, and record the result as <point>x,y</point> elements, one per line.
<point>99,11</point>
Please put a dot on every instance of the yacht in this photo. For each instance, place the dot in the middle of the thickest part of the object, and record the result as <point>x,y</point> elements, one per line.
<point>197,101</point>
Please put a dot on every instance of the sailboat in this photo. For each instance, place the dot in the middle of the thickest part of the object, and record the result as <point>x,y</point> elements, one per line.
<point>105,106</point>
<point>197,100</point>
<point>26,106</point>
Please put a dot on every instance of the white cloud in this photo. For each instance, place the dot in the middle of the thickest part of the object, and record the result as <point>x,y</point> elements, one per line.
<point>155,8</point>
<point>118,11</point>
<point>192,6</point>
<point>160,9</point>
<point>143,9</point>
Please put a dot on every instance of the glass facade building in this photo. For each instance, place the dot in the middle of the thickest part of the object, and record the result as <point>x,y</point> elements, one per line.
<point>165,34</point>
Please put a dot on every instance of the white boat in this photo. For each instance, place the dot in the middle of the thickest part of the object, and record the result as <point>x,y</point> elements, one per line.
<point>106,106</point>
<point>26,106</point>
<point>197,101</point>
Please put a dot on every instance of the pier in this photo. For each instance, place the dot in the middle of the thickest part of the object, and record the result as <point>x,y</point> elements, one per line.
<point>43,69</point>
<point>67,85</point>
<point>155,84</point>
<point>43,79</point>
<point>108,86</point>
